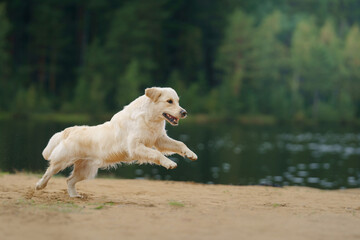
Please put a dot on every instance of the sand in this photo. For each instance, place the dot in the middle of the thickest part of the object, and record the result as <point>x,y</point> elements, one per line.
<point>143,209</point>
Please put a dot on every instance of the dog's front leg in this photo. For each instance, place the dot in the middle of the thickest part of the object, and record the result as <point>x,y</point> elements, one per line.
<point>140,152</point>
<point>167,144</point>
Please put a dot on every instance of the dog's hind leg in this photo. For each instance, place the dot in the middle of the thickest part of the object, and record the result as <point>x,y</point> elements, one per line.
<point>83,169</point>
<point>52,169</point>
<point>58,162</point>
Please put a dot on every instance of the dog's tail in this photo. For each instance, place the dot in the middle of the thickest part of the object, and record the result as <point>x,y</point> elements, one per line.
<point>53,142</point>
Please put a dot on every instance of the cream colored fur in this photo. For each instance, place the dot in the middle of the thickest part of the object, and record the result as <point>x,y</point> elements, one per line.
<point>137,133</point>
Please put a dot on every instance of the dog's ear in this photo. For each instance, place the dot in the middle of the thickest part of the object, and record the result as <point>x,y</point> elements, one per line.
<point>153,93</point>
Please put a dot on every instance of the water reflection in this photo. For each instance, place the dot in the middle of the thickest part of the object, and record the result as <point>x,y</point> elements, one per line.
<point>228,154</point>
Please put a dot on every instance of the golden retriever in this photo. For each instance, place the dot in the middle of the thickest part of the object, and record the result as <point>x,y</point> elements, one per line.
<point>137,133</point>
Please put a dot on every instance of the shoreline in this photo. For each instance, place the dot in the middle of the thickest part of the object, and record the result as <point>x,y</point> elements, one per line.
<point>244,119</point>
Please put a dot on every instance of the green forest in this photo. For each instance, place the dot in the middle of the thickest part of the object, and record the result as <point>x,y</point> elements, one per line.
<point>293,60</point>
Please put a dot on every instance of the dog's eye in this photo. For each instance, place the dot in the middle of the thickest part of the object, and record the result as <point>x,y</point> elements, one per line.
<point>170,101</point>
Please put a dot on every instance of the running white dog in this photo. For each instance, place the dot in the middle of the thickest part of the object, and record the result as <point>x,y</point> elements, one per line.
<point>137,133</point>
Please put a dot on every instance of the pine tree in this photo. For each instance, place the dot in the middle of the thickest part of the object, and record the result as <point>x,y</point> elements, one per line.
<point>136,33</point>
<point>303,47</point>
<point>128,85</point>
<point>234,59</point>
<point>270,66</point>
<point>47,40</point>
<point>351,55</point>
<point>89,96</point>
<point>5,86</point>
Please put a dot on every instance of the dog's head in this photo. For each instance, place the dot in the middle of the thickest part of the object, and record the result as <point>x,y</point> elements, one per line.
<point>166,104</point>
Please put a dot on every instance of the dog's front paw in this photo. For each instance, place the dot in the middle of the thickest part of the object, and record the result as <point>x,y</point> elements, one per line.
<point>191,155</point>
<point>168,164</point>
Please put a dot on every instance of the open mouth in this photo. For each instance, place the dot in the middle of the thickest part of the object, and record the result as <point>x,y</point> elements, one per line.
<point>171,119</point>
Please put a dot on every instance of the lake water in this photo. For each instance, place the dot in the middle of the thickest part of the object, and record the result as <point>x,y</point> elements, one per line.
<point>323,157</point>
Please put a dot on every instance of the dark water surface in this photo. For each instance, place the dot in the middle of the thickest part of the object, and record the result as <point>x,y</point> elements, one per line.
<point>322,157</point>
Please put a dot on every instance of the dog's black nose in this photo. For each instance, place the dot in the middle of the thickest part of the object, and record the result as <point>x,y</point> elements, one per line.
<point>183,113</point>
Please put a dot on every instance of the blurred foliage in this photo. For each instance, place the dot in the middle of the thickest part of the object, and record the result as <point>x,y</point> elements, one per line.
<point>290,59</point>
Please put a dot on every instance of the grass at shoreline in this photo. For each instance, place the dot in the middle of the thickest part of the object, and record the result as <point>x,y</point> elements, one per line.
<point>195,118</point>
<point>83,117</point>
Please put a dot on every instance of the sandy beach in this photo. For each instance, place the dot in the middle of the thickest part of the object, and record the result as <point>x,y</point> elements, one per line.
<point>143,209</point>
